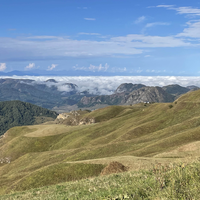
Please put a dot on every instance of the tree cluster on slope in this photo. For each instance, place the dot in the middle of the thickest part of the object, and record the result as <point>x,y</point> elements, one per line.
<point>17,113</point>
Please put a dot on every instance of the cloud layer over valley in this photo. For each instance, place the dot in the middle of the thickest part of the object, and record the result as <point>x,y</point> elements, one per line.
<point>107,85</point>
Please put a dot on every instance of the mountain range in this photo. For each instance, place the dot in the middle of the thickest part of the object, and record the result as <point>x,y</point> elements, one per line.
<point>64,97</point>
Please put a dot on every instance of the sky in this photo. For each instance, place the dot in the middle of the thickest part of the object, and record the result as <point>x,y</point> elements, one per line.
<point>101,37</point>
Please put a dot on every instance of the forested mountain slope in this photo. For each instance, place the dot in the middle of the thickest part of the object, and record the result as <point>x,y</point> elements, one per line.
<point>17,113</point>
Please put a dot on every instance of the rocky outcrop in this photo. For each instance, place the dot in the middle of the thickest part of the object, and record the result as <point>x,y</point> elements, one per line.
<point>74,118</point>
<point>144,94</point>
<point>86,121</point>
<point>4,160</point>
<point>63,116</point>
<point>149,94</point>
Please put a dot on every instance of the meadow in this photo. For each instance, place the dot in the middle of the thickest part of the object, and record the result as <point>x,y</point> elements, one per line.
<point>158,142</point>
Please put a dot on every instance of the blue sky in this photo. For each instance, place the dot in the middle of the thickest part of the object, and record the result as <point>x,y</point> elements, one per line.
<point>101,37</point>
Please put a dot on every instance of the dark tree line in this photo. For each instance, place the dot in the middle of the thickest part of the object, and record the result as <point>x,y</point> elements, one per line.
<point>17,113</point>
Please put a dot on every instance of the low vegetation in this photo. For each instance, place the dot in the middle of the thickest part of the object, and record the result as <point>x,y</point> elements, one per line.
<point>173,181</point>
<point>137,136</point>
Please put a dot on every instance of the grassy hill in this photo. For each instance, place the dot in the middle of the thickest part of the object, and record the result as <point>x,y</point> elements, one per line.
<point>18,113</point>
<point>137,136</point>
<point>175,181</point>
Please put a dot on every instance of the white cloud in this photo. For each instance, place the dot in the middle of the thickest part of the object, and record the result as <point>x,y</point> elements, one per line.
<point>182,10</point>
<point>188,10</point>
<point>106,85</point>
<point>157,24</point>
<point>98,68</point>
<point>90,19</point>
<point>63,47</point>
<point>53,66</point>
<point>118,69</point>
<point>42,37</point>
<point>147,56</point>
<point>139,41</point>
<point>165,6</point>
<point>93,68</point>
<point>192,31</point>
<point>2,66</point>
<point>140,20</point>
<point>30,66</point>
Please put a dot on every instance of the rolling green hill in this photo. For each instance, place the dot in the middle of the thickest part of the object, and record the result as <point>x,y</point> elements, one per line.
<point>136,136</point>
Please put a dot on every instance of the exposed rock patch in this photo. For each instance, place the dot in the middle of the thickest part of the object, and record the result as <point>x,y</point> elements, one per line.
<point>74,118</point>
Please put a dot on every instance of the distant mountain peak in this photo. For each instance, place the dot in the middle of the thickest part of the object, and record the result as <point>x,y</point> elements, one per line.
<point>128,87</point>
<point>51,80</point>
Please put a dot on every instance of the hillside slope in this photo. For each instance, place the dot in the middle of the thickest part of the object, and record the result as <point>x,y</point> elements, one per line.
<point>143,132</point>
<point>17,113</point>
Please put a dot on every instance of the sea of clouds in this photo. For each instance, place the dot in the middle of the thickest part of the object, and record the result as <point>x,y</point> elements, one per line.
<point>108,84</point>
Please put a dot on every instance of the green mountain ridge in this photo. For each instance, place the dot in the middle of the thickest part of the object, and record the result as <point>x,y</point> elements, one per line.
<point>17,113</point>
<point>65,97</point>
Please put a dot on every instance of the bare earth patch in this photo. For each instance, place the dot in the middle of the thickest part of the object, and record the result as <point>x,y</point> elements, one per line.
<point>114,167</point>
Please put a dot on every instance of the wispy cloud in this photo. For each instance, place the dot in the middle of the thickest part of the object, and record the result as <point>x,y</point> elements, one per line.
<point>193,30</point>
<point>90,19</point>
<point>2,66</point>
<point>140,20</point>
<point>118,69</point>
<point>139,41</point>
<point>93,68</point>
<point>28,49</point>
<point>165,6</point>
<point>42,37</point>
<point>53,66</point>
<point>157,24</point>
<point>30,66</point>
<point>182,10</point>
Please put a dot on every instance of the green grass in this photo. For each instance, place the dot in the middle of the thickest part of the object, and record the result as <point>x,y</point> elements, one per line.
<point>149,131</point>
<point>57,173</point>
<point>173,181</point>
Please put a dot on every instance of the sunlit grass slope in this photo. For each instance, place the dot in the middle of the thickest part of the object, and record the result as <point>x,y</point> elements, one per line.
<point>173,181</point>
<point>143,130</point>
